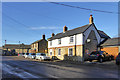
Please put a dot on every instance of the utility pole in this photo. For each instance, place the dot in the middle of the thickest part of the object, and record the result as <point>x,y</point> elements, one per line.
<point>5,42</point>
<point>19,47</point>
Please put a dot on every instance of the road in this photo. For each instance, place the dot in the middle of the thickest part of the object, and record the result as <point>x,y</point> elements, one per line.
<point>18,67</point>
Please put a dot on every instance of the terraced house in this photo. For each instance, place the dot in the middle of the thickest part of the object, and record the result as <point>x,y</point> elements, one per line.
<point>15,48</point>
<point>39,46</point>
<point>74,44</point>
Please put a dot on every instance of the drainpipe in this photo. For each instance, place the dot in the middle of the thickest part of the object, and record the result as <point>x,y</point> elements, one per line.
<point>83,48</point>
<point>75,45</point>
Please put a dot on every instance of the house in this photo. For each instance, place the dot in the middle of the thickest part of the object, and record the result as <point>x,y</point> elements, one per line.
<point>112,46</point>
<point>16,48</point>
<point>76,43</point>
<point>39,46</point>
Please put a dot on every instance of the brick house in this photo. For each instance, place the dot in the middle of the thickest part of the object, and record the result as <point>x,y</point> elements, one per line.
<point>39,46</point>
<point>112,46</point>
<point>77,42</point>
<point>16,48</point>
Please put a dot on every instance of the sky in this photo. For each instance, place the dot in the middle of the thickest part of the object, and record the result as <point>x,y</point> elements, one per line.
<point>28,21</point>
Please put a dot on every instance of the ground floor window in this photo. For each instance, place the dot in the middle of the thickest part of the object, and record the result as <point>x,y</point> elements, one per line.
<point>59,52</point>
<point>50,53</point>
<point>70,52</point>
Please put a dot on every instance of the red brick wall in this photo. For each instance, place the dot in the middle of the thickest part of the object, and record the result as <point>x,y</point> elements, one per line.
<point>111,50</point>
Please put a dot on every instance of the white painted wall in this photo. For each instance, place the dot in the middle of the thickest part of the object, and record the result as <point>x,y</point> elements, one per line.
<point>87,32</point>
<point>65,41</point>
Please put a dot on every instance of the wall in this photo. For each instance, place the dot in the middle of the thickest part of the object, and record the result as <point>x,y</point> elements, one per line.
<point>65,41</point>
<point>87,32</point>
<point>64,51</point>
<point>111,50</point>
<point>42,46</point>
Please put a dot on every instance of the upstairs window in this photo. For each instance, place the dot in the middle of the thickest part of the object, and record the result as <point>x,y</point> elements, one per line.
<point>59,41</point>
<point>50,43</point>
<point>71,39</point>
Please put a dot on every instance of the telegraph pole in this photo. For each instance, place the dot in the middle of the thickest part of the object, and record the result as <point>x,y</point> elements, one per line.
<point>19,47</point>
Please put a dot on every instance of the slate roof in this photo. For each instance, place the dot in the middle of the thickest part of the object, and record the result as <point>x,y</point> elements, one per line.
<point>77,31</point>
<point>38,41</point>
<point>102,34</point>
<point>17,46</point>
<point>112,42</point>
<point>70,32</point>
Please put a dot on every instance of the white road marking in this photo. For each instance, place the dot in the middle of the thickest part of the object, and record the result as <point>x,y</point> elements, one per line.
<point>18,72</point>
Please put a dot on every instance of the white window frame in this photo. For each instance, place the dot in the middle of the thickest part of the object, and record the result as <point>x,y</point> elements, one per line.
<point>72,39</point>
<point>59,41</point>
<point>69,52</point>
<point>51,52</point>
<point>50,43</point>
<point>59,52</point>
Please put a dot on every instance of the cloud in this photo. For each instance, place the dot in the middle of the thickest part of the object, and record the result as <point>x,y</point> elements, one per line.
<point>44,28</point>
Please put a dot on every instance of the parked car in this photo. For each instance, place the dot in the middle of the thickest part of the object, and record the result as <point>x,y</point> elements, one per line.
<point>42,56</point>
<point>118,59</point>
<point>25,55</point>
<point>32,55</point>
<point>100,56</point>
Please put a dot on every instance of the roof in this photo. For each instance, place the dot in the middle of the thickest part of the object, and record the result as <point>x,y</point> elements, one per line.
<point>70,32</point>
<point>17,46</point>
<point>38,41</point>
<point>112,42</point>
<point>102,34</point>
<point>77,31</point>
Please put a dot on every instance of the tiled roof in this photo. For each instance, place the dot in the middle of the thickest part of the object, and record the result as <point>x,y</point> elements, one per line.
<point>16,46</point>
<point>112,42</point>
<point>70,32</point>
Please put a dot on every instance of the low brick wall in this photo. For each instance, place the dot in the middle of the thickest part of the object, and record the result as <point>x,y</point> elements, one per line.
<point>73,58</point>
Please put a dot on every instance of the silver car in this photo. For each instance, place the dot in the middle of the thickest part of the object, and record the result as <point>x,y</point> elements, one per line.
<point>26,55</point>
<point>42,56</point>
<point>32,55</point>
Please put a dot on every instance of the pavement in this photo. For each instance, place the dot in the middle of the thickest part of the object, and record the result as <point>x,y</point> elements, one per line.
<point>20,68</point>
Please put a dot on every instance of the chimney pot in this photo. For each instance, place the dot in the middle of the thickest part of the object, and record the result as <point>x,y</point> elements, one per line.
<point>53,34</point>
<point>91,19</point>
<point>65,28</point>
<point>43,36</point>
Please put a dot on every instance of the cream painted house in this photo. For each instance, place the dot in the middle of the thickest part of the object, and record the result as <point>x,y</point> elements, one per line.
<point>77,42</point>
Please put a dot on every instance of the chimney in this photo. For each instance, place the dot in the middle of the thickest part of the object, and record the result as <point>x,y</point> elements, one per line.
<point>53,34</point>
<point>43,36</point>
<point>65,28</point>
<point>90,19</point>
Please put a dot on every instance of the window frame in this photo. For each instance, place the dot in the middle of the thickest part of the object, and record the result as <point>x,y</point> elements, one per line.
<point>50,43</point>
<point>69,52</point>
<point>71,39</point>
<point>59,51</point>
<point>59,41</point>
<point>50,53</point>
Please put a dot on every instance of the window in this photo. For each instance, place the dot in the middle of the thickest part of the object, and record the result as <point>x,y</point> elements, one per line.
<point>71,39</point>
<point>50,43</point>
<point>59,41</point>
<point>59,52</point>
<point>70,52</point>
<point>51,53</point>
